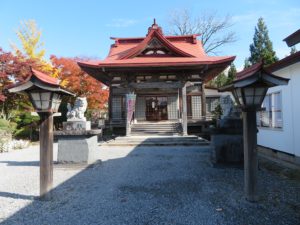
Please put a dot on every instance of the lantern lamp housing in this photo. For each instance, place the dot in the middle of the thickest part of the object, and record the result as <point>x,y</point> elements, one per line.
<point>45,100</point>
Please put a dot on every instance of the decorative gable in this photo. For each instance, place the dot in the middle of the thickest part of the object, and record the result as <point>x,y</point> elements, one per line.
<point>155,44</point>
<point>155,48</point>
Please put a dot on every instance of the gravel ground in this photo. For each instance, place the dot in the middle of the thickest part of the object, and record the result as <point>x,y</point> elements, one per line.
<point>157,185</point>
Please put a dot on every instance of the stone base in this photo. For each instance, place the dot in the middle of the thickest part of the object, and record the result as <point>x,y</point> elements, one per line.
<point>234,122</point>
<point>77,125</point>
<point>86,166</point>
<point>77,149</point>
<point>231,117</point>
<point>227,148</point>
<point>77,119</point>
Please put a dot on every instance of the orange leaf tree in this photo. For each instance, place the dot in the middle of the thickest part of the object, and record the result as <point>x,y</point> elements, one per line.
<point>80,82</point>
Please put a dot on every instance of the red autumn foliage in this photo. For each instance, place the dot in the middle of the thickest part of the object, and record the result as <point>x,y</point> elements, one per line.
<point>13,70</point>
<point>72,77</point>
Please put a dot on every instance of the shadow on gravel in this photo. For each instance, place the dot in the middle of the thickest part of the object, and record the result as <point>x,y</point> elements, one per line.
<point>17,196</point>
<point>25,163</point>
<point>161,185</point>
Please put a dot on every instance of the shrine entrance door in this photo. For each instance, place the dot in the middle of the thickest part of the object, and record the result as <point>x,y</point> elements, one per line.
<point>156,108</point>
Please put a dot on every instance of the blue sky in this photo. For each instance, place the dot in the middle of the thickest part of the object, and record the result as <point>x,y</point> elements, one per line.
<point>74,28</point>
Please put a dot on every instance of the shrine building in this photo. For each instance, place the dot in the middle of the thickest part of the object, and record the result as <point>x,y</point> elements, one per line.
<point>167,73</point>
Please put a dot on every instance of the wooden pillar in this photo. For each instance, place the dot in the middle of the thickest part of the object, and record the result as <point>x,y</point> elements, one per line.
<point>126,113</point>
<point>110,103</point>
<point>203,100</point>
<point>184,109</point>
<point>46,155</point>
<point>250,155</point>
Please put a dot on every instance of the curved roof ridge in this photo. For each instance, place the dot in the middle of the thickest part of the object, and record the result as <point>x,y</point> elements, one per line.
<point>43,77</point>
<point>149,37</point>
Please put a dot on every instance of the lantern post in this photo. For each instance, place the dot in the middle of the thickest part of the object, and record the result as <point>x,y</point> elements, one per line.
<point>249,89</point>
<point>45,95</point>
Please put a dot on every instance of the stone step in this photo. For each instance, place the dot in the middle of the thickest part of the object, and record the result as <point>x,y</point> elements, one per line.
<point>155,133</point>
<point>167,129</point>
<point>156,141</point>
<point>170,138</point>
<point>131,140</point>
<point>151,128</point>
<point>154,144</point>
<point>156,130</point>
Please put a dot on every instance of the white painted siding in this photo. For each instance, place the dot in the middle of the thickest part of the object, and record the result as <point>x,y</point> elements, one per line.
<point>209,92</point>
<point>286,139</point>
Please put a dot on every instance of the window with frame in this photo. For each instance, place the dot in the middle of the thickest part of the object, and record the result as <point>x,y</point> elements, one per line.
<point>118,107</point>
<point>194,106</point>
<point>272,117</point>
<point>211,104</point>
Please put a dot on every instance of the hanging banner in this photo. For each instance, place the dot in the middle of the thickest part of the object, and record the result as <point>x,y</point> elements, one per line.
<point>130,98</point>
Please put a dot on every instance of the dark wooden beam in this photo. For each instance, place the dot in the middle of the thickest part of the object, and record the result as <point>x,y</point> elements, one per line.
<point>184,111</point>
<point>203,99</point>
<point>250,155</point>
<point>126,114</point>
<point>46,155</point>
<point>156,85</point>
<point>110,102</point>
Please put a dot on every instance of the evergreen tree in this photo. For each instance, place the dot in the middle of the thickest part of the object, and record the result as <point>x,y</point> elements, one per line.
<point>231,74</point>
<point>221,80</point>
<point>246,64</point>
<point>293,50</point>
<point>262,47</point>
<point>212,83</point>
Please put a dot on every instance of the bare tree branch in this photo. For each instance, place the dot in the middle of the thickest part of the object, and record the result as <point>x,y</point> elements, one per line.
<point>215,30</point>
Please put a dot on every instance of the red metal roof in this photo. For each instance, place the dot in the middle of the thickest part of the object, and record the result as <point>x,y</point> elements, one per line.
<point>282,61</point>
<point>45,78</point>
<point>298,31</point>
<point>187,46</point>
<point>249,72</point>
<point>160,36</point>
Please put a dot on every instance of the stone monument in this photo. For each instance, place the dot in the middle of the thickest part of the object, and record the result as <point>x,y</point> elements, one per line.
<point>77,143</point>
<point>76,119</point>
<point>227,145</point>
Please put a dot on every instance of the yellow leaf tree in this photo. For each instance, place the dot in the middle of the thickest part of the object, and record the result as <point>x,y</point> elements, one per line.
<point>31,46</point>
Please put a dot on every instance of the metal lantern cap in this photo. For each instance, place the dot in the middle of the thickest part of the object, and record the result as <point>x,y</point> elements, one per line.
<point>44,92</point>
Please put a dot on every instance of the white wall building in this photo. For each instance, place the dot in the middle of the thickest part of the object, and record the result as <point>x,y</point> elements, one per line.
<point>279,125</point>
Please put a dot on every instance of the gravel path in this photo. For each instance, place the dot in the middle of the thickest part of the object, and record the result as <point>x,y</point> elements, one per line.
<point>160,185</point>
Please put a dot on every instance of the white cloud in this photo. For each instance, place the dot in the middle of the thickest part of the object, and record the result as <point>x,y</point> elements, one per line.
<point>238,69</point>
<point>244,17</point>
<point>282,52</point>
<point>296,10</point>
<point>121,23</point>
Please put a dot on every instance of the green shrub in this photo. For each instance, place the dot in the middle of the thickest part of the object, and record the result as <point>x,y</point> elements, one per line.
<point>22,132</point>
<point>217,113</point>
<point>25,118</point>
<point>25,133</point>
<point>107,131</point>
<point>4,124</point>
<point>13,126</point>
